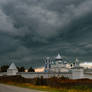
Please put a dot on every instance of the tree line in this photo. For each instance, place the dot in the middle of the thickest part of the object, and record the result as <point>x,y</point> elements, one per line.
<point>4,68</point>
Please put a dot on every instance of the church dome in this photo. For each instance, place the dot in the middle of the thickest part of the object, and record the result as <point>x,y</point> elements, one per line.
<point>58,57</point>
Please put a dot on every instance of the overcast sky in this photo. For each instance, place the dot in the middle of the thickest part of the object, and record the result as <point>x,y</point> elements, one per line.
<point>32,29</point>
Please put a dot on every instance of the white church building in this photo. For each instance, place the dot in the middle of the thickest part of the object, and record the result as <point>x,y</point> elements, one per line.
<point>56,68</point>
<point>57,65</point>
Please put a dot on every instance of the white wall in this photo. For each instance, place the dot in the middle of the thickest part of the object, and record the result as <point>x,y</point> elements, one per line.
<point>3,73</point>
<point>88,75</point>
<point>12,72</point>
<point>45,75</point>
<point>77,73</point>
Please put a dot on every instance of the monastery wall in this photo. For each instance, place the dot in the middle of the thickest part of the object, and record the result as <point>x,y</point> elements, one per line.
<point>45,75</point>
<point>48,75</point>
<point>3,73</point>
<point>88,75</point>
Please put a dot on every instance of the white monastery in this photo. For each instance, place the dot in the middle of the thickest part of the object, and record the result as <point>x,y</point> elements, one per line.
<point>53,68</point>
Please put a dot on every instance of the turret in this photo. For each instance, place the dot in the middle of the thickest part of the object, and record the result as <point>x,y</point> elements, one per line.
<point>76,63</point>
<point>47,64</point>
<point>12,70</point>
<point>77,71</point>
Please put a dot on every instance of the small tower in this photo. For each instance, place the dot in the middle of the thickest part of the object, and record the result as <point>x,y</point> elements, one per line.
<point>12,70</point>
<point>76,63</point>
<point>77,71</point>
<point>47,64</point>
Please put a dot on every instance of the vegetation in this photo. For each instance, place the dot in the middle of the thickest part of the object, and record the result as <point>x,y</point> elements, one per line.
<point>31,69</point>
<point>51,84</point>
<point>21,69</point>
<point>4,68</point>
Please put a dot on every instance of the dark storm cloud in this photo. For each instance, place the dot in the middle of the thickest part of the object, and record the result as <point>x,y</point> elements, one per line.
<point>32,29</point>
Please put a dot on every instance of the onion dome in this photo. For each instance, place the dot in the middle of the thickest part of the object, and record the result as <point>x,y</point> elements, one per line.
<point>58,57</point>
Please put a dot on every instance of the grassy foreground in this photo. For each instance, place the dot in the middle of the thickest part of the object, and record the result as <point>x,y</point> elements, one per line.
<point>46,88</point>
<point>49,85</point>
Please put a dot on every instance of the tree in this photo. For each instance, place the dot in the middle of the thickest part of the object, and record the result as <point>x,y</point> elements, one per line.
<point>21,69</point>
<point>4,68</point>
<point>31,69</point>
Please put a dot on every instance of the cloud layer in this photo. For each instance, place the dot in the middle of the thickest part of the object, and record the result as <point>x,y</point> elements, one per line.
<point>32,29</point>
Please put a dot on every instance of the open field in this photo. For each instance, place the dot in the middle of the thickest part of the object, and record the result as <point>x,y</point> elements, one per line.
<point>50,85</point>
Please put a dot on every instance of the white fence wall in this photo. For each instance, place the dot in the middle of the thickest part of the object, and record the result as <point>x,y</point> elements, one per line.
<point>88,75</point>
<point>3,73</point>
<point>45,75</point>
